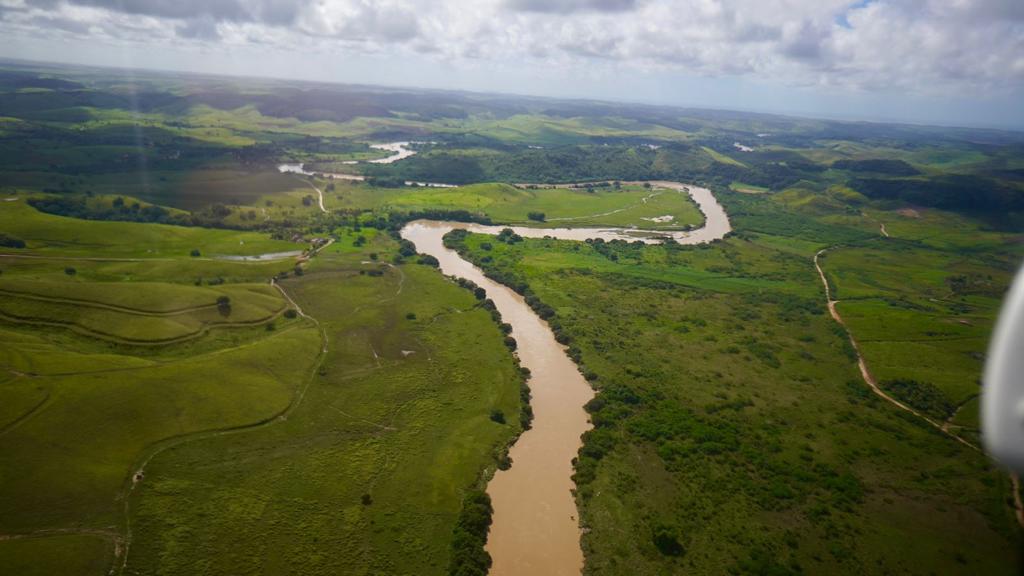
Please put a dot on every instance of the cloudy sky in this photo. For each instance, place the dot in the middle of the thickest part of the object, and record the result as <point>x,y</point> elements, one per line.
<point>956,62</point>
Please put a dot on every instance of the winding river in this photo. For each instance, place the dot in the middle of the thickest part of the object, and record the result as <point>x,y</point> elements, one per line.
<point>535,526</point>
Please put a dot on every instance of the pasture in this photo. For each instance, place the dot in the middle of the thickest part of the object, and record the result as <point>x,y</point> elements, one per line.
<point>369,471</point>
<point>193,370</point>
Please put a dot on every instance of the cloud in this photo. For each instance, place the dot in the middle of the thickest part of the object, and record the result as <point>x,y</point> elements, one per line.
<point>199,28</point>
<point>937,46</point>
<point>273,12</point>
<point>361,21</point>
<point>570,6</point>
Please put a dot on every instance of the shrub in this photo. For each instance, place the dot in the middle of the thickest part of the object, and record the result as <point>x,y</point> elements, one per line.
<point>497,416</point>
<point>923,396</point>
<point>194,253</point>
<point>290,313</point>
<point>536,216</point>
<point>666,540</point>
<point>428,260</point>
<point>70,271</point>
<point>10,241</point>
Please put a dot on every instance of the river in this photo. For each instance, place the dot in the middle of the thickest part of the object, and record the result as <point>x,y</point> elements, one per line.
<point>535,526</point>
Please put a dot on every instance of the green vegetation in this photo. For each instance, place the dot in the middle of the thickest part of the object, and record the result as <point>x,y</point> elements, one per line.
<point>597,204</point>
<point>113,370</point>
<point>731,425</point>
<point>732,407</point>
<point>392,440</point>
<point>159,394</point>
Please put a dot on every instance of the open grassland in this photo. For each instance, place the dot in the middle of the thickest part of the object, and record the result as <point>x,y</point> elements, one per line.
<point>368,474</point>
<point>113,369</point>
<point>50,235</point>
<point>108,318</point>
<point>79,447</point>
<point>626,206</point>
<point>84,405</point>
<point>56,554</point>
<point>732,431</point>
<point>923,317</point>
<point>918,288</point>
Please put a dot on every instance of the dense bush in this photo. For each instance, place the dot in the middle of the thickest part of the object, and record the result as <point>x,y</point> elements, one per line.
<point>877,165</point>
<point>10,241</point>
<point>960,192</point>
<point>923,396</point>
<point>470,535</point>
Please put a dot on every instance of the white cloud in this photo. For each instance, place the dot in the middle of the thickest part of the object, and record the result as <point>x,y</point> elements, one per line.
<point>919,46</point>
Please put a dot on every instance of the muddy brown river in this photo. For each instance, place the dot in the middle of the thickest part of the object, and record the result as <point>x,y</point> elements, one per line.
<point>536,527</point>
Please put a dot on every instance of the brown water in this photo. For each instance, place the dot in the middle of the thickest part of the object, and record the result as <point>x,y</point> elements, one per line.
<point>536,529</point>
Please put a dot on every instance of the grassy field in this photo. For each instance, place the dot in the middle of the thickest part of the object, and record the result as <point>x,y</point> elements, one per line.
<point>368,473</point>
<point>51,235</point>
<point>115,367</point>
<point>732,429</point>
<point>748,188</point>
<point>596,206</point>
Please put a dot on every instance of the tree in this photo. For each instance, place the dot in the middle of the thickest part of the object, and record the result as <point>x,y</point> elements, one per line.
<point>498,416</point>
<point>194,253</point>
<point>70,271</point>
<point>224,305</point>
<point>666,540</point>
<point>536,216</point>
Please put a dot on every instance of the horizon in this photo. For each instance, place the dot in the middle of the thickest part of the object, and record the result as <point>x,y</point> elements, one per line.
<point>871,60</point>
<point>682,107</point>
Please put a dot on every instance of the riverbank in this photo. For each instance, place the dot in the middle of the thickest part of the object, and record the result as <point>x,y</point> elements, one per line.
<point>536,526</point>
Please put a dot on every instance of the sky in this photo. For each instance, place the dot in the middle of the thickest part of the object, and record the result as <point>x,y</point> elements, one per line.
<point>946,62</point>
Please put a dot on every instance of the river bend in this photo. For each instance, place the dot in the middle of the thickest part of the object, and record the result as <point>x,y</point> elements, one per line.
<point>535,526</point>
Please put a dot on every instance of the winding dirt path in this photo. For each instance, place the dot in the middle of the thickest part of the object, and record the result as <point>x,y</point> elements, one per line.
<point>872,383</point>
<point>865,373</point>
<point>319,193</point>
